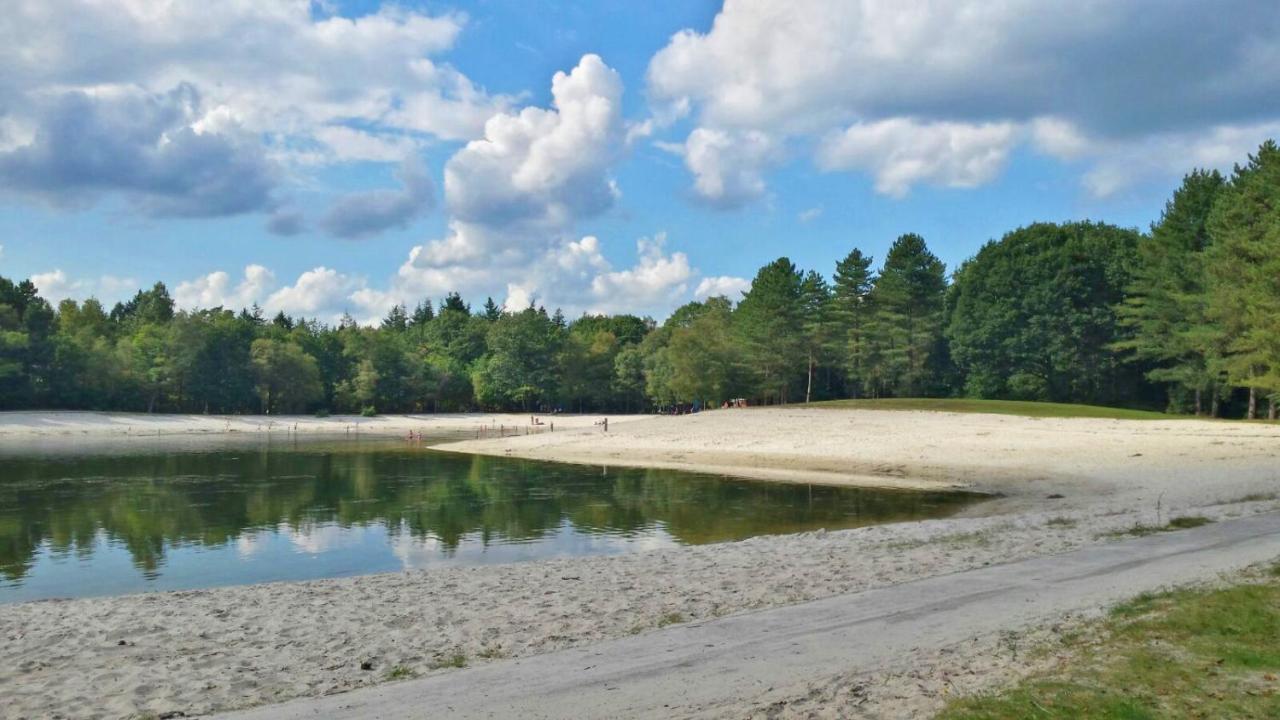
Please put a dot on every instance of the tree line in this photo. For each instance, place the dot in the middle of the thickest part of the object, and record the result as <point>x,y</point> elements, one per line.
<point>1184,317</point>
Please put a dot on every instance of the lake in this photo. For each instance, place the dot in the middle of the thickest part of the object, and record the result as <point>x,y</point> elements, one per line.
<point>143,517</point>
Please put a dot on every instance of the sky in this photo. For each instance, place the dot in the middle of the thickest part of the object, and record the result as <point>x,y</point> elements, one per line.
<point>327,157</point>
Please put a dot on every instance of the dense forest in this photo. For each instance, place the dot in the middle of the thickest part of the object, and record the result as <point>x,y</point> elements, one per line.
<point>1185,317</point>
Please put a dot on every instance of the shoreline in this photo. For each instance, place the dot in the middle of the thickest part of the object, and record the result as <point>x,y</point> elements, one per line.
<point>1064,484</point>
<point>20,424</point>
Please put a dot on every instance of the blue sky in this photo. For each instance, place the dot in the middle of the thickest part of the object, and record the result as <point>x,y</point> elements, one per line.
<point>335,157</point>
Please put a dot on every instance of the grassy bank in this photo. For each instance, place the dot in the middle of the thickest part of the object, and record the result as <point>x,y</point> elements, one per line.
<point>998,407</point>
<point>1181,654</point>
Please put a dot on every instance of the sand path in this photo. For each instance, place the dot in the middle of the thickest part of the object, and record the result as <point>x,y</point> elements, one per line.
<point>716,667</point>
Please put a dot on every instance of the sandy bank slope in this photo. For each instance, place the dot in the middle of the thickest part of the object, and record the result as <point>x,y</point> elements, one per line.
<point>720,668</point>
<point>53,424</point>
<point>1187,460</point>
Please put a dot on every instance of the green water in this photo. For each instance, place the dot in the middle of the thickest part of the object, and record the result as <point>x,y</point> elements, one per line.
<point>140,518</point>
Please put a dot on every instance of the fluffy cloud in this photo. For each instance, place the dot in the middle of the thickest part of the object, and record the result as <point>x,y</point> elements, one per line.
<point>321,292</point>
<point>515,195</point>
<point>728,286</point>
<point>901,152</point>
<point>150,147</point>
<point>547,167</point>
<point>1116,166</point>
<point>348,144</point>
<point>56,286</point>
<point>281,79</point>
<point>727,166</point>
<point>362,214</point>
<point>655,283</point>
<point>216,290</point>
<point>978,74</point>
<point>317,292</point>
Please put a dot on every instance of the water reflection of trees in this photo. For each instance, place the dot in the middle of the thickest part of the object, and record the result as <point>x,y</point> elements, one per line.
<point>148,503</point>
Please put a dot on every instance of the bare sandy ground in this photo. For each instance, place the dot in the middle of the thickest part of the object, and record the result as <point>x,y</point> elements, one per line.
<point>1117,463</point>
<point>198,652</point>
<point>73,425</point>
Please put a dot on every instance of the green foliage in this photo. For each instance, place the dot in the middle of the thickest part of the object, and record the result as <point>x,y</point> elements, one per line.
<point>906,319</point>
<point>287,378</point>
<point>1034,315</point>
<point>1022,408</point>
<point>851,311</point>
<point>1165,313</point>
<point>520,369</point>
<point>1186,653</point>
<point>769,323</point>
<point>704,363</point>
<point>1243,264</point>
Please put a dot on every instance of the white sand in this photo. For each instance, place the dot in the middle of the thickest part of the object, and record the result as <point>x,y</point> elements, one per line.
<point>78,424</point>
<point>1117,463</point>
<point>231,647</point>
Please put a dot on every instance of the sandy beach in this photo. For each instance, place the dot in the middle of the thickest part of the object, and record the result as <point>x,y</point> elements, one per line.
<point>1115,463</point>
<point>76,425</point>
<point>1063,484</point>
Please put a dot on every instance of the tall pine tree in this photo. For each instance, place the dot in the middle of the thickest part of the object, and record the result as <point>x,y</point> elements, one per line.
<point>1243,267</point>
<point>906,320</point>
<point>770,324</point>
<point>851,310</point>
<point>1165,311</point>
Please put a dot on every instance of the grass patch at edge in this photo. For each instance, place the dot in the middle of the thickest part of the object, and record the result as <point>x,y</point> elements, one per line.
<point>1023,408</point>
<point>1177,654</point>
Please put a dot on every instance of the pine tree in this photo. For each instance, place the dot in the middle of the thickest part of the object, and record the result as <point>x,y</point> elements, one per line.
<point>907,300</point>
<point>1165,308</point>
<point>397,320</point>
<point>1243,265</point>
<point>815,295</point>
<point>851,308</point>
<point>453,302</point>
<point>770,323</point>
<point>422,314</point>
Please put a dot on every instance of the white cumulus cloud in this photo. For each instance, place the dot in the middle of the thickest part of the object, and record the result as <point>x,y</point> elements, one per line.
<point>901,152</point>
<point>196,108</point>
<point>941,92</point>
<point>722,285</point>
<point>56,286</point>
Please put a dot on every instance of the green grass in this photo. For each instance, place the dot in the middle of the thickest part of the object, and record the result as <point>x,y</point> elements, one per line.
<point>1185,522</point>
<point>672,618</point>
<point>491,652</point>
<point>400,672</point>
<point>998,407</point>
<point>455,660</point>
<point>1181,654</point>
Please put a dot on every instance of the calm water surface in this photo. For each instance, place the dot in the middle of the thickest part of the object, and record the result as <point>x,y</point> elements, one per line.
<point>141,518</point>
